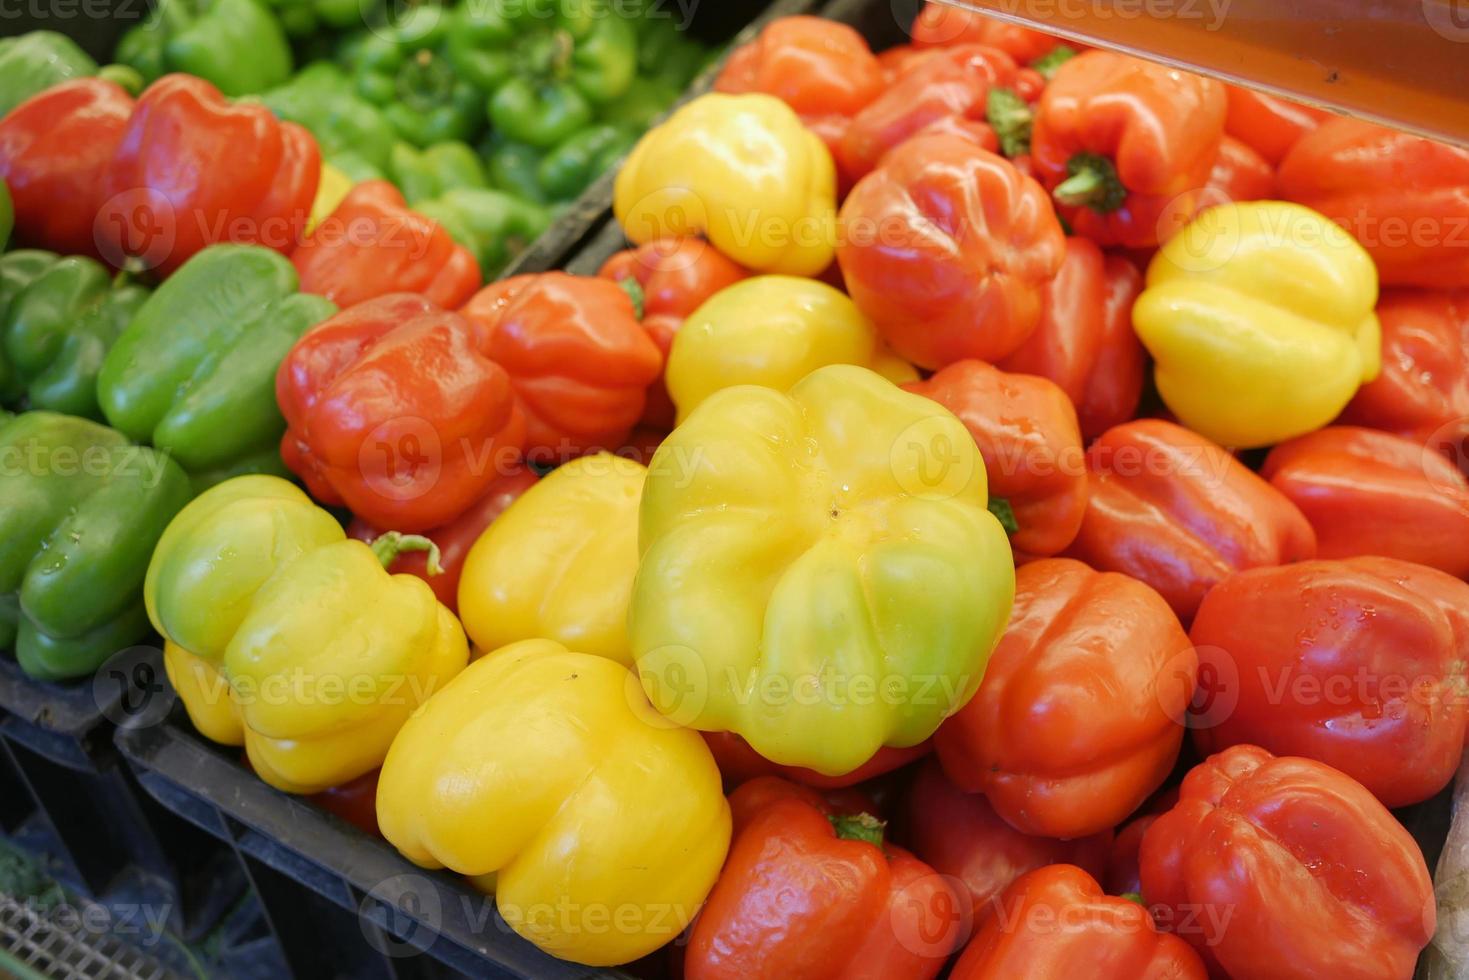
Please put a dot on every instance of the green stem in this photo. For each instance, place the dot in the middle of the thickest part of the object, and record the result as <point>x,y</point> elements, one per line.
<point>862,826</point>
<point>1092,182</point>
<point>1010,118</point>
<point>1005,514</point>
<point>388,546</point>
<point>1048,64</point>
<point>634,290</point>
<point>1133,897</point>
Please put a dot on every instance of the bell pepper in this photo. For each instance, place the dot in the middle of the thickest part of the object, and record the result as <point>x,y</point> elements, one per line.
<point>807,892</point>
<point>463,787</point>
<point>743,172</point>
<point>559,564</point>
<point>961,836</point>
<point>947,248</point>
<point>1085,342</point>
<point>402,69</point>
<point>940,24</point>
<point>54,152</point>
<point>1239,174</point>
<point>1243,307</point>
<point>1268,124</point>
<point>1180,514</point>
<point>192,170</point>
<point>494,226</point>
<point>1026,431</point>
<point>1120,141</point>
<point>355,801</point>
<point>373,245</point>
<point>236,45</point>
<point>455,539</point>
<point>579,361</point>
<point>1423,390</point>
<point>675,276</point>
<point>394,408</point>
<point>434,170</point>
<point>33,62</point>
<point>321,99</point>
<point>7,216</point>
<point>58,317</point>
<point>1055,922</point>
<point>1283,867</point>
<point>331,190</point>
<point>1356,662</point>
<point>83,510</point>
<point>1404,198</point>
<point>640,106</point>
<point>1367,492</point>
<point>305,20</point>
<point>192,372</point>
<point>739,764</point>
<point>1123,876</point>
<point>763,500</point>
<point>569,168</point>
<point>1080,714</point>
<point>278,618</point>
<point>667,53</point>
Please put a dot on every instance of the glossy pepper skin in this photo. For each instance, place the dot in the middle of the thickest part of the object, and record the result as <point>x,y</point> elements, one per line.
<point>1355,662</point>
<point>1405,198</point>
<point>235,45</point>
<point>1120,141</point>
<point>1080,714</point>
<point>1246,305</point>
<point>1026,431</point>
<point>372,245</point>
<point>272,615</point>
<point>939,25</point>
<point>394,408</point>
<point>1239,174</point>
<point>403,71</point>
<point>809,893</point>
<point>54,151</point>
<point>976,242</point>
<point>462,787</point>
<point>560,563</point>
<point>742,171</point>
<point>83,510</point>
<point>1179,513</point>
<point>739,763</point>
<point>321,98</point>
<point>1060,925</point>
<point>193,169</point>
<point>435,169</point>
<point>1367,492</point>
<point>33,62</point>
<point>763,500</point>
<point>495,226</point>
<point>1268,124</point>
<point>578,359</point>
<point>676,276</point>
<point>1317,879</point>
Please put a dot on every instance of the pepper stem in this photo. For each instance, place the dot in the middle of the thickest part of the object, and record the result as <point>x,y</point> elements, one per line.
<point>862,826</point>
<point>634,290</point>
<point>1048,64</point>
<point>1092,182</point>
<point>1004,513</point>
<point>1133,897</point>
<point>1010,118</point>
<point>388,546</point>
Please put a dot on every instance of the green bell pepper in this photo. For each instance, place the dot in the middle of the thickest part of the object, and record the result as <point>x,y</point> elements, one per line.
<point>493,225</point>
<point>321,98</point>
<point>666,54</point>
<point>306,19</point>
<point>31,63</point>
<point>570,168</point>
<point>83,511</point>
<point>194,371</point>
<point>436,170</point>
<point>238,45</point>
<point>58,318</point>
<point>546,64</point>
<point>644,101</point>
<point>7,216</point>
<point>512,167</point>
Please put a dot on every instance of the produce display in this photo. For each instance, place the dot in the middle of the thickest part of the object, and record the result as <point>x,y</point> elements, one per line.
<point>1002,511</point>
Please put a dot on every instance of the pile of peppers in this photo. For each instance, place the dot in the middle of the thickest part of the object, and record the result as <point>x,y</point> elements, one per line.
<point>1004,513</point>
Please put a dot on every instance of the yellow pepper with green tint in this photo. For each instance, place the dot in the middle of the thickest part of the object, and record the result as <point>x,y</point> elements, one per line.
<point>559,563</point>
<point>743,172</point>
<point>1260,319</point>
<point>771,331</point>
<point>819,570</point>
<point>603,825</point>
<point>285,635</point>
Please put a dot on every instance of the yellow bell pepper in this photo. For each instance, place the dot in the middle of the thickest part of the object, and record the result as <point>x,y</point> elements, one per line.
<point>742,171</point>
<point>819,572</point>
<point>559,563</point>
<point>1260,318</point>
<point>604,826</point>
<point>770,331</point>
<point>323,654</point>
<point>331,189</point>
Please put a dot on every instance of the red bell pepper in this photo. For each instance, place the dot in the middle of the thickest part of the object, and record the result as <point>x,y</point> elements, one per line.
<point>1404,198</point>
<point>1373,493</point>
<point>54,150</point>
<point>579,360</point>
<point>455,538</point>
<point>1267,124</point>
<point>739,763</point>
<point>1122,876</point>
<point>1171,509</point>
<point>1056,924</point>
<point>754,795</point>
<point>809,894</point>
<point>193,169</point>
<point>394,409</point>
<point>1239,174</point>
<point>1080,713</point>
<point>1358,662</point>
<point>1285,868</point>
<point>372,245</point>
<point>947,249</point>
<point>354,802</point>
<point>1026,431</point>
<point>1124,143</point>
<point>945,24</point>
<point>675,277</point>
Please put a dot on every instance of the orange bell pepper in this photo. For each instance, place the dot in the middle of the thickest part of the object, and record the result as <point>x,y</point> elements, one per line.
<point>1268,124</point>
<point>945,24</point>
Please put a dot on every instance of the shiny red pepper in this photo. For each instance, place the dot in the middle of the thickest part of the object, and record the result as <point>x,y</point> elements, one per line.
<point>193,169</point>
<point>54,151</point>
<point>1267,124</point>
<point>945,24</point>
<point>394,409</point>
<point>740,763</point>
<point>751,796</point>
<point>1239,174</point>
